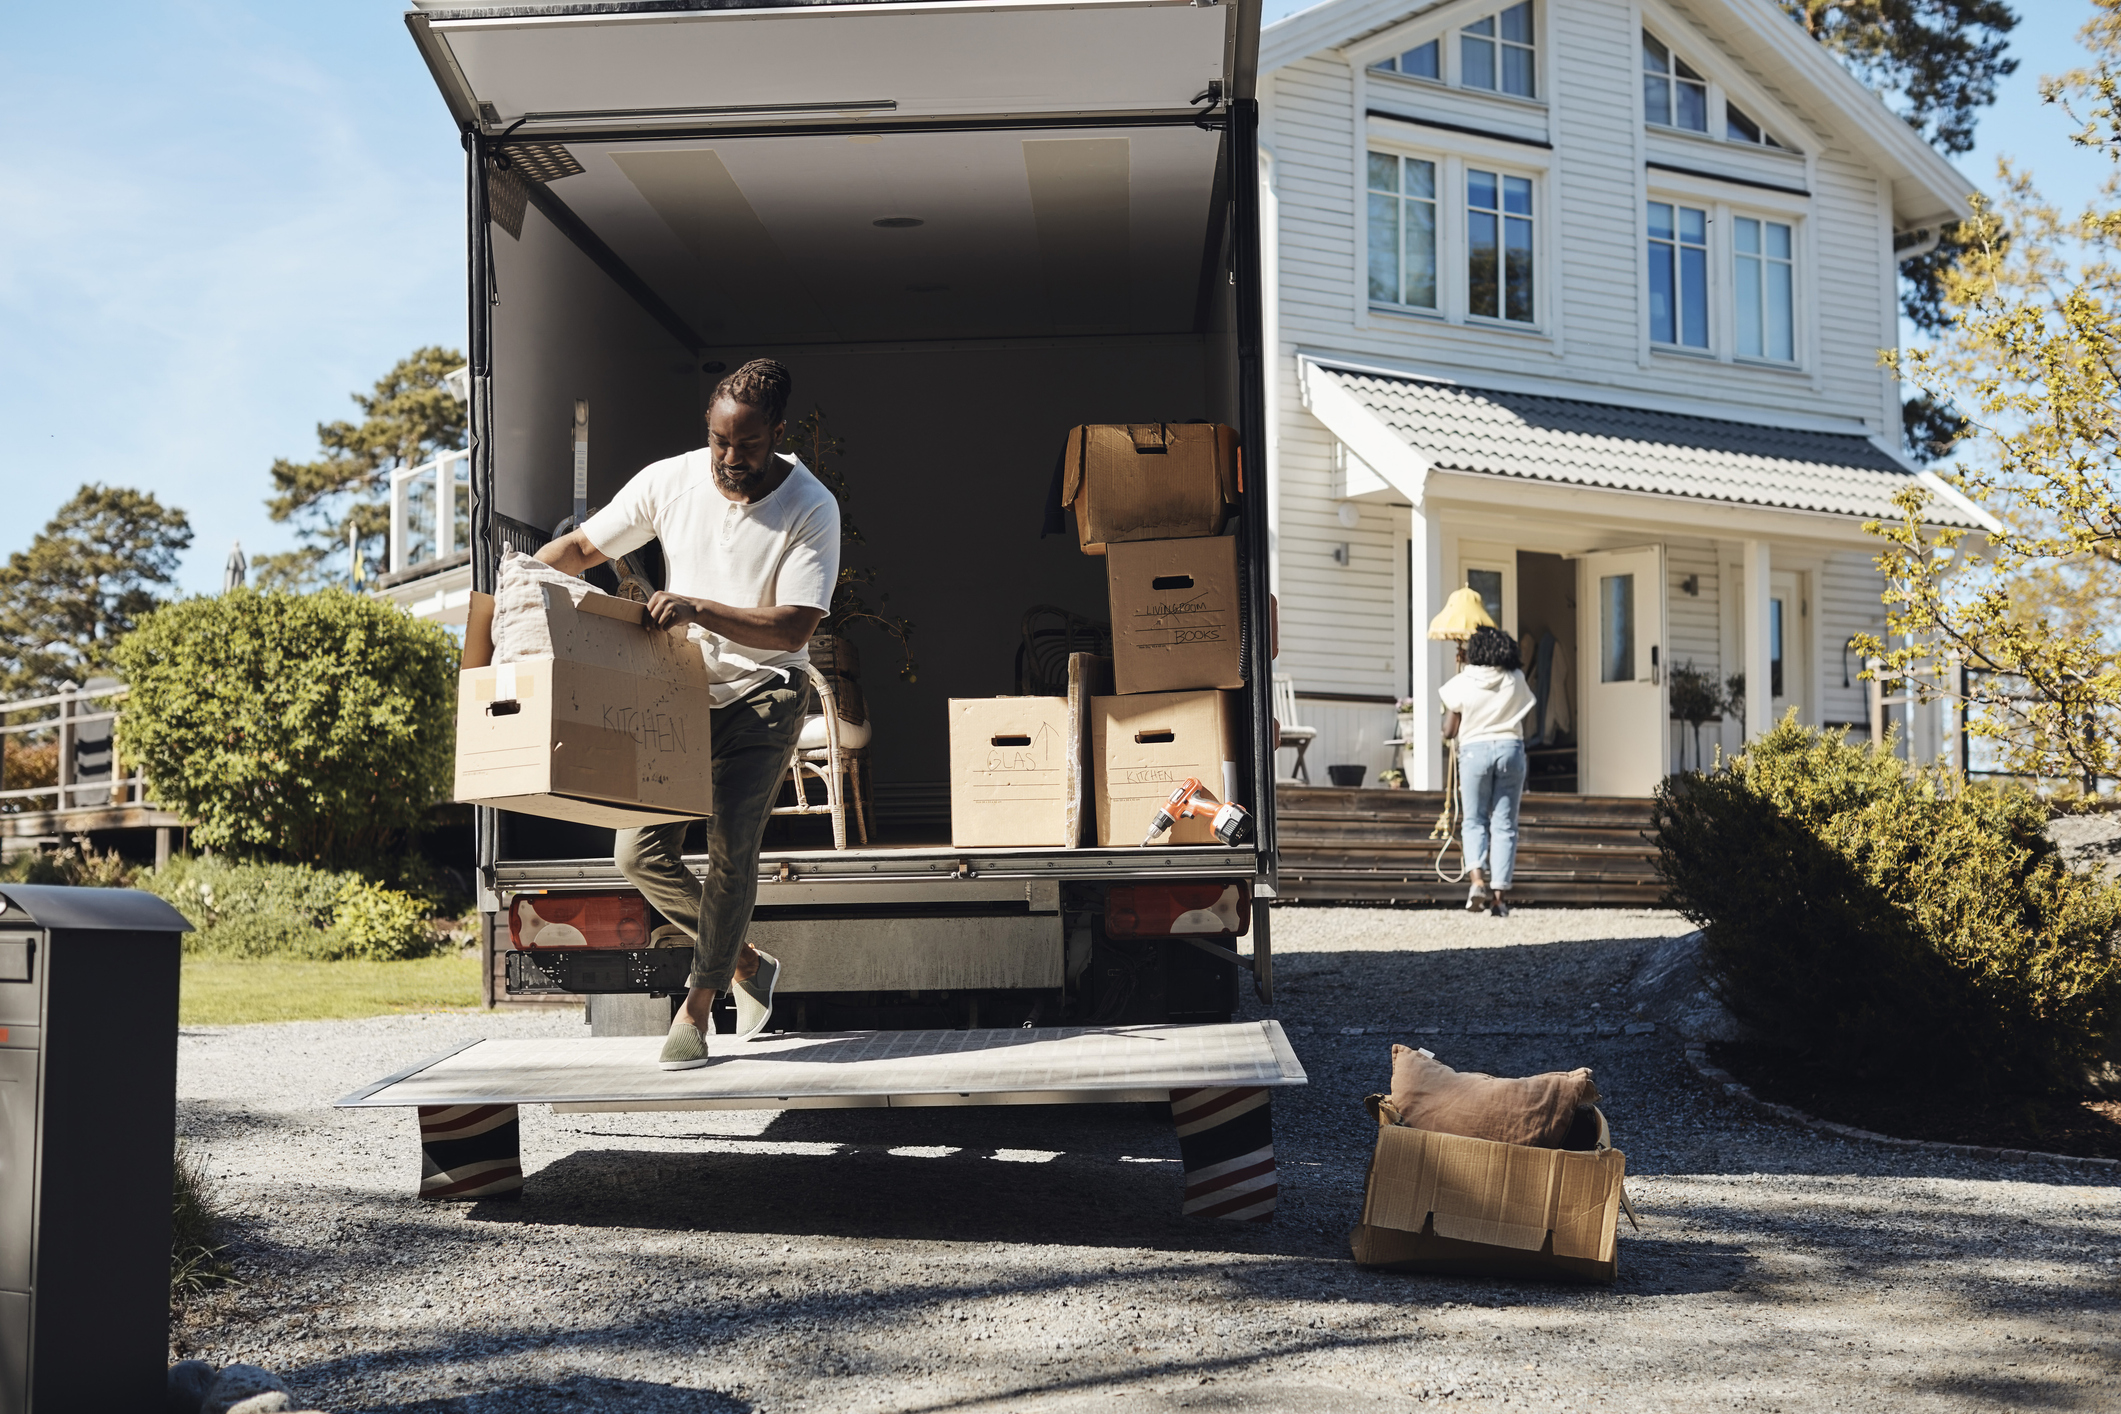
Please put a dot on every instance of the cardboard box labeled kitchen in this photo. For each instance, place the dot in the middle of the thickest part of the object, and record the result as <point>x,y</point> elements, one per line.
<point>1174,614</point>
<point>611,730</point>
<point>1146,746</point>
<point>1472,1207</point>
<point>1010,759</point>
<point>1150,481</point>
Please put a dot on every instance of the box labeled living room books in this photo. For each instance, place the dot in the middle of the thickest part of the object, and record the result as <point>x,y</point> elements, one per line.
<point>1175,614</point>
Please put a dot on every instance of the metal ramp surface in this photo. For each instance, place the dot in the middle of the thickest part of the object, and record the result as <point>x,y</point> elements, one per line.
<point>865,1069</point>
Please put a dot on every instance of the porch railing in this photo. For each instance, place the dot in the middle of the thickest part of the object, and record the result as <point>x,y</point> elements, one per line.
<point>87,768</point>
<point>430,511</point>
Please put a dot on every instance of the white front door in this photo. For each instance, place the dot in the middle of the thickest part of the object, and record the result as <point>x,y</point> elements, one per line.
<point>1620,660</point>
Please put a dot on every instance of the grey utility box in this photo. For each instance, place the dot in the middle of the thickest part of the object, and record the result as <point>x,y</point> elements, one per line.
<point>88,1127</point>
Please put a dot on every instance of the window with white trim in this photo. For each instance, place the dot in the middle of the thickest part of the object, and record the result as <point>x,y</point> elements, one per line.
<point>1423,61</point>
<point>1679,275</point>
<point>1499,246</point>
<point>1497,53</point>
<point>1764,281</point>
<point>1737,127</point>
<point>1402,230</point>
<point>1673,95</point>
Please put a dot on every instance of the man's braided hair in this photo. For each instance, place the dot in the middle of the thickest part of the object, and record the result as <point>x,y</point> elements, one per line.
<point>763,383</point>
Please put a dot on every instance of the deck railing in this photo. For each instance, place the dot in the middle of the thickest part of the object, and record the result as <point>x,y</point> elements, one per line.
<point>430,511</point>
<point>87,770</point>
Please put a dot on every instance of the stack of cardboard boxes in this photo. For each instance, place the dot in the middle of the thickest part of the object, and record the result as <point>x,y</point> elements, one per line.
<point>1154,500</point>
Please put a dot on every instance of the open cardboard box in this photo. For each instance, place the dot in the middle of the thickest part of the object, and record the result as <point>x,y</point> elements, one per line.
<point>1472,1207</point>
<point>1150,481</point>
<point>614,729</point>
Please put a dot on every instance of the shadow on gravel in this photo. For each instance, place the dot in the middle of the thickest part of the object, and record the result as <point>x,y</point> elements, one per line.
<point>226,1119</point>
<point>1074,1201</point>
<point>581,1392</point>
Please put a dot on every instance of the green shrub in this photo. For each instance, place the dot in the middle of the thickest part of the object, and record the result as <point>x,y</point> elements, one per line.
<point>1892,921</point>
<point>80,868</point>
<point>291,910</point>
<point>312,727</point>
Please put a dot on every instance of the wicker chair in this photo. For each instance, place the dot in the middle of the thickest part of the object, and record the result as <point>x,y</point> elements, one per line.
<point>841,767</point>
<point>1051,633</point>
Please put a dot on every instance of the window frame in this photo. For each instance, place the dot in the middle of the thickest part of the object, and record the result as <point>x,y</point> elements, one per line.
<point>1709,321</point>
<point>1437,203</point>
<point>1798,302</point>
<point>1724,209</point>
<point>1453,153</point>
<point>1444,27</point>
<point>1718,101</point>
<point>1503,215</point>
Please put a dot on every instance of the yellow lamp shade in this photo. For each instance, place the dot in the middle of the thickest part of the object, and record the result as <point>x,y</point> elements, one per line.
<point>1462,613</point>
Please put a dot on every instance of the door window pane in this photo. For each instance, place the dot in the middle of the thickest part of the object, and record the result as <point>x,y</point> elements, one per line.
<point>1499,250</point>
<point>1679,275</point>
<point>1775,648</point>
<point>1488,585</point>
<point>1616,628</point>
<point>1402,230</point>
<point>1764,273</point>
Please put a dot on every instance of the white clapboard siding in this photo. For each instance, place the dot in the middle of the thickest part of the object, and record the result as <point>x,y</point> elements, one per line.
<point>1694,632</point>
<point>1850,602</point>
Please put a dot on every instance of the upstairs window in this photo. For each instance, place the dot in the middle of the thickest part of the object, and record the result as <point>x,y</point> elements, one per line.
<point>1499,246</point>
<point>1402,231</point>
<point>1673,95</point>
<point>1739,128</point>
<point>1679,275</point>
<point>1764,277</point>
<point>1424,61</point>
<point>1496,53</point>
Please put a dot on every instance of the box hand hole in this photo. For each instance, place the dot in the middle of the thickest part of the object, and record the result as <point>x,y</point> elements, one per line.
<point>507,707</point>
<point>1156,738</point>
<point>1012,741</point>
<point>1172,581</point>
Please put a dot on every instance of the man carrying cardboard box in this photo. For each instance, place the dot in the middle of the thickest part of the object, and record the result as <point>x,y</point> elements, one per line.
<point>751,547</point>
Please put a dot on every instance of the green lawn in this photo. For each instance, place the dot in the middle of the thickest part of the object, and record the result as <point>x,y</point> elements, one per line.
<point>221,991</point>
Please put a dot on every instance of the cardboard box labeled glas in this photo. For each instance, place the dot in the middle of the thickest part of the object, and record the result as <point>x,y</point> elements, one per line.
<point>612,729</point>
<point>1174,614</point>
<point>1149,481</point>
<point>1010,763</point>
<point>1472,1207</point>
<point>1146,746</point>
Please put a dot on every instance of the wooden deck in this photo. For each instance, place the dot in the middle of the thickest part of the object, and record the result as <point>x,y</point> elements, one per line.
<point>1373,846</point>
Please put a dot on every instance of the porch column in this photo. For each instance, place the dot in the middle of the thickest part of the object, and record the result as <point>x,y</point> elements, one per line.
<point>1753,630</point>
<point>1425,658</point>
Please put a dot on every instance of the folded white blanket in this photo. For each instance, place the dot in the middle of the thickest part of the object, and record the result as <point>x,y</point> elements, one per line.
<point>522,628</point>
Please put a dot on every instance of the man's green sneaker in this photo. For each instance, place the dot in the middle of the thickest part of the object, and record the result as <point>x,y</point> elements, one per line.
<point>754,997</point>
<point>685,1048</point>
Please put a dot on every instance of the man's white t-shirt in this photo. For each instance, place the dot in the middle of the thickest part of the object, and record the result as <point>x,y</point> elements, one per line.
<point>782,550</point>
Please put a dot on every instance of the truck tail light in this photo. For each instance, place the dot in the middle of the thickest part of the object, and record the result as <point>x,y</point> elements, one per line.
<point>1163,910</point>
<point>578,921</point>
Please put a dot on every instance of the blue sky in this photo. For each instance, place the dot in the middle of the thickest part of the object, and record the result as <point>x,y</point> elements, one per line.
<point>221,217</point>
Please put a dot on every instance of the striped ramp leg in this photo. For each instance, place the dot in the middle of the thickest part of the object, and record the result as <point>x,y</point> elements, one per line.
<point>1226,1140</point>
<point>470,1151</point>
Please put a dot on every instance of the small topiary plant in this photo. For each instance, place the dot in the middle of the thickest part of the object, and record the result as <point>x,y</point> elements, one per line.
<point>1895,922</point>
<point>314,727</point>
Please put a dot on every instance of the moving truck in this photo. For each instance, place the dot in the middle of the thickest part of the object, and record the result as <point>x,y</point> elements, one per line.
<point>967,227</point>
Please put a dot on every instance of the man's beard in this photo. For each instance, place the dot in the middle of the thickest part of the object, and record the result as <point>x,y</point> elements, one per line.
<point>740,480</point>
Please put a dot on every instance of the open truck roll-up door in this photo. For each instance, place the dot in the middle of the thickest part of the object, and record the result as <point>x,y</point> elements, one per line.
<point>1058,198</point>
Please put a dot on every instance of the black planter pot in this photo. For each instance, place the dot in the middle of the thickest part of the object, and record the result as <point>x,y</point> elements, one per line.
<point>1346,775</point>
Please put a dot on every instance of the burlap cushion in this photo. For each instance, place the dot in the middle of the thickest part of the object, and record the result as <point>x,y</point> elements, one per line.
<point>1536,1110</point>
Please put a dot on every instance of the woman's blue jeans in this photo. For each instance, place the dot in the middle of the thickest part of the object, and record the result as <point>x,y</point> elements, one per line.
<point>1490,784</point>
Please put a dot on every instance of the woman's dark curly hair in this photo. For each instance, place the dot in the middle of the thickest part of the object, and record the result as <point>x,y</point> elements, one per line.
<point>1491,648</point>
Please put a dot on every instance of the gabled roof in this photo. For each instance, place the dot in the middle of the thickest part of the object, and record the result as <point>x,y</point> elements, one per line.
<point>1756,28</point>
<point>1451,427</point>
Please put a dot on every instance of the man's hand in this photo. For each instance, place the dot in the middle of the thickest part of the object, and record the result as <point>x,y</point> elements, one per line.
<point>780,629</point>
<point>670,610</point>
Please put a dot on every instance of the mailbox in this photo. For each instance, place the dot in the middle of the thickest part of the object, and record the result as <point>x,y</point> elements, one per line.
<point>88,1097</point>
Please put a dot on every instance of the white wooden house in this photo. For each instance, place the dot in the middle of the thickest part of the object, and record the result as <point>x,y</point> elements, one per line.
<point>1580,302</point>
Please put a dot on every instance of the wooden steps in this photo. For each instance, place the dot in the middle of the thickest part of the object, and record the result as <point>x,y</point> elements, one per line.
<point>1340,845</point>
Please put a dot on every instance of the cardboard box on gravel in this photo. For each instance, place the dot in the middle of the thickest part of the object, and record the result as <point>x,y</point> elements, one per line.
<point>1147,745</point>
<point>610,728</point>
<point>1010,763</point>
<point>1174,614</point>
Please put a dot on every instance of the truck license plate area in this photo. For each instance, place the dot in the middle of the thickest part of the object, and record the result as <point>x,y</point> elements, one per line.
<point>603,970</point>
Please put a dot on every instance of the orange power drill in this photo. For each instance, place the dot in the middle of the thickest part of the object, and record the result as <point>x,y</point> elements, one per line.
<point>1231,821</point>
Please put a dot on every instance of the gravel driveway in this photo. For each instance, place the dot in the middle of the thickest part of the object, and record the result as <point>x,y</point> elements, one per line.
<point>1032,1258</point>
